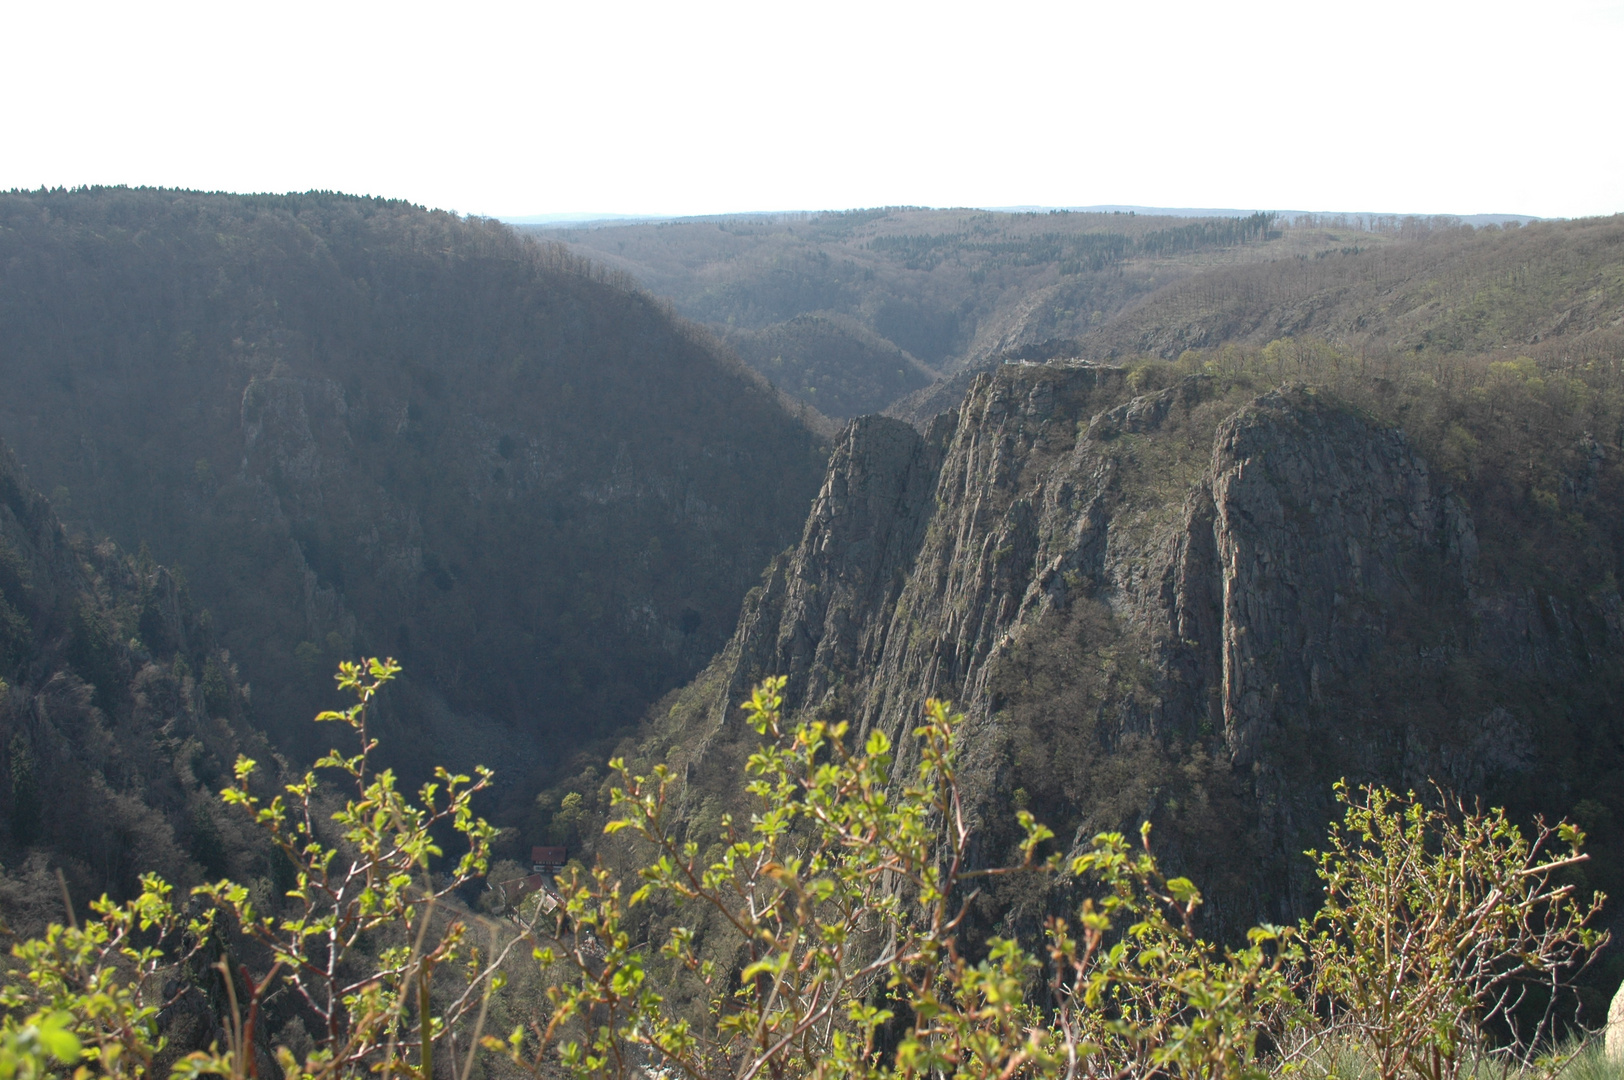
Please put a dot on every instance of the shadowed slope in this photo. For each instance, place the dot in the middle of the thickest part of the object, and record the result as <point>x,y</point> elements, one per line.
<point>361,426</point>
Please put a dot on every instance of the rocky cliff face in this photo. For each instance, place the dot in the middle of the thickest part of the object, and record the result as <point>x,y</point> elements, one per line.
<point>1199,605</point>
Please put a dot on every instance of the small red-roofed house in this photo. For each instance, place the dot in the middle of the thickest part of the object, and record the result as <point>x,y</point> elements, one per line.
<point>547,860</point>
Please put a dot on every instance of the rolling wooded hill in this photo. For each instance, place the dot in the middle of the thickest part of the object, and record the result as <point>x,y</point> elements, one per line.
<point>1550,290</point>
<point>358,426</point>
<point>854,312</point>
<point>945,288</point>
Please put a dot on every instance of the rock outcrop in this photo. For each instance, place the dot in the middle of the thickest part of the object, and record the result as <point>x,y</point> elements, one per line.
<point>1614,1038</point>
<point>1195,605</point>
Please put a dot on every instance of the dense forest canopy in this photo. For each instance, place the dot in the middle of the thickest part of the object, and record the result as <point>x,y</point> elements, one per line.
<point>356,424</point>
<point>120,717</point>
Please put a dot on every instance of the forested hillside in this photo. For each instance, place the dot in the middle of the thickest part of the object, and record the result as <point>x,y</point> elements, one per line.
<point>1551,290</point>
<point>120,718</point>
<point>954,290</point>
<point>832,360</point>
<point>356,425</point>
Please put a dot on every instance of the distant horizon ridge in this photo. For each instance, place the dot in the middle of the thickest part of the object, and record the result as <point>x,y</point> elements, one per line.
<point>579,219</point>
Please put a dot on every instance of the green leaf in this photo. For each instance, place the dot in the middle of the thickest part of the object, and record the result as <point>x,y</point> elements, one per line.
<point>56,1038</point>
<point>1183,890</point>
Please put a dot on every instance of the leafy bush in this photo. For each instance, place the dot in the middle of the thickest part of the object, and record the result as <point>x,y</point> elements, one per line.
<point>822,938</point>
<point>357,939</point>
<point>845,895</point>
<point>1442,922</point>
<point>374,881</point>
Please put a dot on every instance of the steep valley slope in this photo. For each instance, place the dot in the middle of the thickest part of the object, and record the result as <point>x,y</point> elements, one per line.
<point>359,426</point>
<point>120,718</point>
<point>1201,603</point>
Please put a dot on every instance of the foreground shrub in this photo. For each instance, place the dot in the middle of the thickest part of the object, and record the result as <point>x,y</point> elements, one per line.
<point>358,937</point>
<point>821,939</point>
<point>1441,923</point>
<point>846,892</point>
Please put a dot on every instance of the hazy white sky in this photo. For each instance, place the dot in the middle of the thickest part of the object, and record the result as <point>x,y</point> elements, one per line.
<point>668,107</point>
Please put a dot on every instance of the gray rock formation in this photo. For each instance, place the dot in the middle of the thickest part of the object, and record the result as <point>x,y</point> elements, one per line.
<point>1615,1029</point>
<point>1190,605</point>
